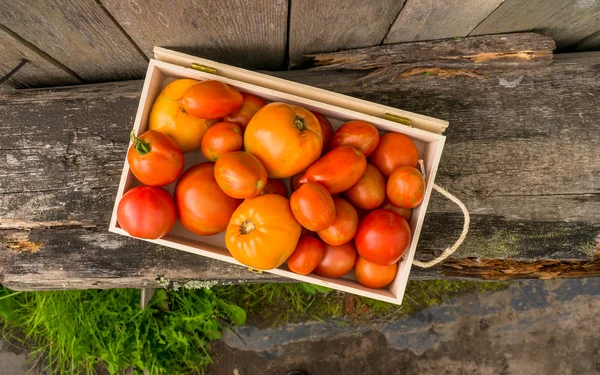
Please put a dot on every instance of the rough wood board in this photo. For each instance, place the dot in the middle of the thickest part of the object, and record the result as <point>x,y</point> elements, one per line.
<point>323,26</point>
<point>78,34</point>
<point>591,43</point>
<point>567,21</point>
<point>249,34</point>
<point>435,19</point>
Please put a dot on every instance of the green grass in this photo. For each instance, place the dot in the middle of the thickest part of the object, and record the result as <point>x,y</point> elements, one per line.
<point>78,331</point>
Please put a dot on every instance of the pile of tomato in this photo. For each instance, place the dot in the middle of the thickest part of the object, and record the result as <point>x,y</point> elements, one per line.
<point>352,190</point>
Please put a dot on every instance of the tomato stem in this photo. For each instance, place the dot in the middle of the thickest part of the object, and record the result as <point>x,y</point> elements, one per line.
<point>299,123</point>
<point>247,227</point>
<point>142,147</point>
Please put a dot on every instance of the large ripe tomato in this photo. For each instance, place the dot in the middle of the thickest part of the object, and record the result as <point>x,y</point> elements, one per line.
<point>202,206</point>
<point>152,152</point>
<point>382,237</point>
<point>404,212</point>
<point>169,117</point>
<point>344,227</point>
<point>307,256</point>
<point>394,150</point>
<point>337,260</point>
<point>220,139</point>
<point>406,187</point>
<point>361,135</point>
<point>338,170</point>
<point>275,187</point>
<point>146,212</point>
<point>327,131</point>
<point>369,192</point>
<point>262,232</point>
<point>373,275</point>
<point>211,100</point>
<point>250,106</point>
<point>313,206</point>
<point>286,138</point>
<point>295,181</point>
<point>240,174</point>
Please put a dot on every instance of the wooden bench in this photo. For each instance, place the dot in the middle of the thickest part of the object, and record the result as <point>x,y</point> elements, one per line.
<point>523,153</point>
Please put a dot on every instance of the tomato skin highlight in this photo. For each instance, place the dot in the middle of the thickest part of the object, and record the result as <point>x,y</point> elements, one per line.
<point>338,170</point>
<point>373,275</point>
<point>251,104</point>
<point>307,256</point>
<point>240,174</point>
<point>369,191</point>
<point>344,227</point>
<point>361,135</point>
<point>146,212</point>
<point>394,150</point>
<point>154,151</point>
<point>337,260</point>
<point>406,187</point>
<point>221,138</point>
<point>211,100</point>
<point>382,237</point>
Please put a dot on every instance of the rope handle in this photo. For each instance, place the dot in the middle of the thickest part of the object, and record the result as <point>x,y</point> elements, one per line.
<point>450,250</point>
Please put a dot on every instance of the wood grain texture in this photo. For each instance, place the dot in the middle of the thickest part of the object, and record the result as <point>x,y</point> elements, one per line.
<point>438,19</point>
<point>591,43</point>
<point>78,34</point>
<point>323,26</point>
<point>567,21</point>
<point>249,34</point>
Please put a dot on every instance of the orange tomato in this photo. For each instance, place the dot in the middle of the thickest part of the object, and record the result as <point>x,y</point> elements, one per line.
<point>369,192</point>
<point>337,260</point>
<point>394,150</point>
<point>220,139</point>
<point>168,116</point>
<point>327,131</point>
<point>275,187</point>
<point>361,135</point>
<point>250,106</point>
<point>262,232</point>
<point>151,152</point>
<point>202,206</point>
<point>307,256</point>
<point>286,138</point>
<point>240,174</point>
<point>404,212</point>
<point>338,170</point>
<point>313,207</point>
<point>211,100</point>
<point>344,227</point>
<point>406,187</point>
<point>373,275</point>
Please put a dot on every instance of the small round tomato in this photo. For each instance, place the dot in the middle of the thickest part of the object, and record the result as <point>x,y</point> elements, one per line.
<point>307,256</point>
<point>394,150</point>
<point>338,170</point>
<point>151,152</point>
<point>344,227</point>
<point>373,275</point>
<point>220,139</point>
<point>211,100</point>
<point>250,106</point>
<point>404,212</point>
<point>240,174</point>
<point>406,187</point>
<point>327,130</point>
<point>369,192</point>
<point>337,260</point>
<point>313,206</point>
<point>295,181</point>
<point>361,135</point>
<point>202,206</point>
<point>146,212</point>
<point>382,237</point>
<point>262,232</point>
<point>275,187</point>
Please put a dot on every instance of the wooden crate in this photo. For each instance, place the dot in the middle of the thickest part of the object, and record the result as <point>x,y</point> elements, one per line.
<point>424,131</point>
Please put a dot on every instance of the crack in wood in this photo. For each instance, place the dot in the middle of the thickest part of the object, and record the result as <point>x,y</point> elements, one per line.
<point>440,72</point>
<point>28,225</point>
<point>20,242</point>
<point>491,56</point>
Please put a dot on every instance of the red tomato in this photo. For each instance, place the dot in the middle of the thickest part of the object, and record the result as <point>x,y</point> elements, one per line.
<point>211,100</point>
<point>382,237</point>
<point>202,206</point>
<point>327,130</point>
<point>344,227</point>
<point>295,181</point>
<point>369,192</point>
<point>240,174</point>
<point>220,139</point>
<point>361,135</point>
<point>146,212</point>
<point>313,206</point>
<point>394,150</point>
<point>337,260</point>
<point>404,212</point>
<point>275,187</point>
<point>373,275</point>
<point>250,106</point>
<point>406,187</point>
<point>151,152</point>
<point>306,257</point>
<point>338,170</point>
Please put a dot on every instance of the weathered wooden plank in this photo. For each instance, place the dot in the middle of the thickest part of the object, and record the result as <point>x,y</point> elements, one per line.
<point>323,26</point>
<point>250,34</point>
<point>39,71</point>
<point>429,20</point>
<point>591,43</point>
<point>567,21</point>
<point>78,34</point>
